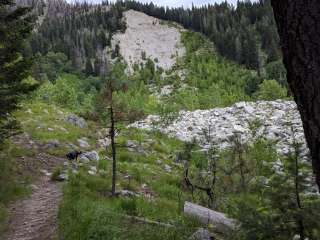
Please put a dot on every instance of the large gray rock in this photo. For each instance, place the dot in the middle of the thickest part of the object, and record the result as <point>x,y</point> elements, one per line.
<point>84,159</point>
<point>76,120</point>
<point>202,234</point>
<point>89,156</point>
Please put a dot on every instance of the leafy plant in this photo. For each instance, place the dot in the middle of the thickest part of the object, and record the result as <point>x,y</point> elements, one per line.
<point>271,90</point>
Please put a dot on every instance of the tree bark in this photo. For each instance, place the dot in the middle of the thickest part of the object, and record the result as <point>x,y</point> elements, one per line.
<point>298,24</point>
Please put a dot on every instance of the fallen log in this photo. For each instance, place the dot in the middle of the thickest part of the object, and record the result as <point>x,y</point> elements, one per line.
<point>220,221</point>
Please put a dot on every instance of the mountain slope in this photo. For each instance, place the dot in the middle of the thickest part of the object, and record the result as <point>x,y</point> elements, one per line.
<point>149,38</point>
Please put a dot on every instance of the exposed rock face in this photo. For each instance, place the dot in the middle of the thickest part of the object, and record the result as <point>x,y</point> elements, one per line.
<point>77,121</point>
<point>273,120</point>
<point>146,37</point>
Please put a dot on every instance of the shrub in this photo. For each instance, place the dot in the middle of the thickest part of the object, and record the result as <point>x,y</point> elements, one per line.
<point>276,70</point>
<point>71,92</point>
<point>271,90</point>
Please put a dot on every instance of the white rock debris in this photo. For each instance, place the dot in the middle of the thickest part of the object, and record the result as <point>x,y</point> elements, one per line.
<point>147,37</point>
<point>273,120</point>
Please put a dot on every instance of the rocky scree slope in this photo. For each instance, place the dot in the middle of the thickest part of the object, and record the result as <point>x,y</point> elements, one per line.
<point>275,120</point>
<point>148,37</point>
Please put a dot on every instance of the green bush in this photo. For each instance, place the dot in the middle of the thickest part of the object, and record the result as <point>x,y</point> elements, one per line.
<point>276,70</point>
<point>69,91</point>
<point>271,90</point>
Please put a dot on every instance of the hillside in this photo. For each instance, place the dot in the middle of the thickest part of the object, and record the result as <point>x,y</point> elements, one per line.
<point>148,38</point>
<point>205,148</point>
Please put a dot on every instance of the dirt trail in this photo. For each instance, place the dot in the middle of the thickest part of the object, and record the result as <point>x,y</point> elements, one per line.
<point>35,218</point>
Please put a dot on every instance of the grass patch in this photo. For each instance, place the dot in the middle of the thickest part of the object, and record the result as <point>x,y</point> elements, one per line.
<point>88,211</point>
<point>44,123</point>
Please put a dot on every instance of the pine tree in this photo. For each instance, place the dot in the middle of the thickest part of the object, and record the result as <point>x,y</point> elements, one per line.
<point>114,83</point>
<point>15,27</point>
<point>283,204</point>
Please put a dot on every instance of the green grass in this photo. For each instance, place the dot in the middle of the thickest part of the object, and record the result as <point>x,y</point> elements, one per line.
<point>36,118</point>
<point>45,122</point>
<point>88,214</point>
<point>88,211</point>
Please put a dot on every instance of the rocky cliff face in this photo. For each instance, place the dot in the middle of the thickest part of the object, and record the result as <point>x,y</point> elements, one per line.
<point>277,121</point>
<point>147,37</point>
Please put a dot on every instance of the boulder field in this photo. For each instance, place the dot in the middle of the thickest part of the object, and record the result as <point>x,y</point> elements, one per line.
<point>278,121</point>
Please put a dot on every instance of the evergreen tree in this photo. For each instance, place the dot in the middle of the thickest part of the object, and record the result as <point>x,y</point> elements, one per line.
<point>282,204</point>
<point>15,27</point>
<point>239,34</point>
<point>114,84</point>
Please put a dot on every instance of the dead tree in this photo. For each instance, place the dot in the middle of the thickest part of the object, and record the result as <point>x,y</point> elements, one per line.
<point>192,187</point>
<point>298,24</point>
<point>209,190</point>
<point>114,118</point>
<point>112,134</point>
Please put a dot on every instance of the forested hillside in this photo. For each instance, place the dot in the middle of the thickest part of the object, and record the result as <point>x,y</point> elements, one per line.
<point>148,122</point>
<point>246,34</point>
<point>81,32</point>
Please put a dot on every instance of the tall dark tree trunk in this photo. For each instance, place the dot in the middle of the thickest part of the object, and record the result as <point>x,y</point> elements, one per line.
<point>112,135</point>
<point>113,147</point>
<point>298,24</point>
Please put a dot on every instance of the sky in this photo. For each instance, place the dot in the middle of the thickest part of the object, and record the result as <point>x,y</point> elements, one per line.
<point>172,3</point>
